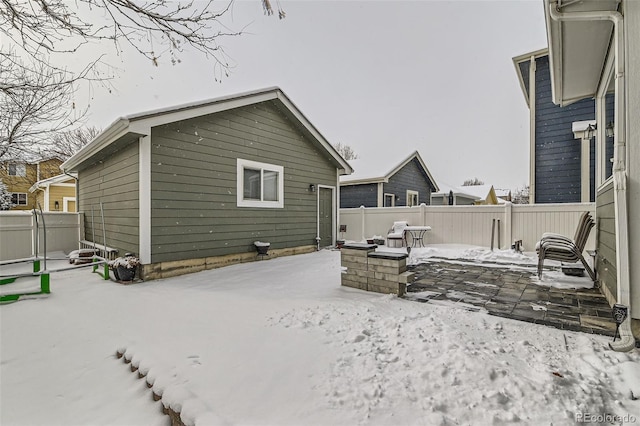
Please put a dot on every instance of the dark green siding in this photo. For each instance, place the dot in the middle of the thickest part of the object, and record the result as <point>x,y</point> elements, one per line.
<point>114,182</point>
<point>193,169</point>
<point>605,212</point>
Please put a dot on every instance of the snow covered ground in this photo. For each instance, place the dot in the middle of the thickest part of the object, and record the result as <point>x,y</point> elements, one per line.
<point>280,342</point>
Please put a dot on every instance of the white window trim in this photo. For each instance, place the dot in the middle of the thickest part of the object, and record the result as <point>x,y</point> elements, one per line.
<point>66,201</point>
<point>241,202</point>
<point>409,194</point>
<point>26,198</point>
<point>393,199</point>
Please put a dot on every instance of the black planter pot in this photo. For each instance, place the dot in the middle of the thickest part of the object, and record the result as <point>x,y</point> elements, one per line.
<point>123,273</point>
<point>262,249</point>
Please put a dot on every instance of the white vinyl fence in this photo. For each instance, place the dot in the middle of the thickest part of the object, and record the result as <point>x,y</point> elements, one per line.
<point>471,224</point>
<point>18,231</point>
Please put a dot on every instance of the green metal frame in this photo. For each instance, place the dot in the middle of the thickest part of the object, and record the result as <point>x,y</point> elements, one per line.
<point>45,281</point>
<point>104,273</point>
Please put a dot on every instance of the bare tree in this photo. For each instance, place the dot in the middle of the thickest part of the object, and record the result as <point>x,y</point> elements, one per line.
<point>346,151</point>
<point>35,105</point>
<point>521,195</point>
<point>473,182</point>
<point>65,144</point>
<point>37,34</point>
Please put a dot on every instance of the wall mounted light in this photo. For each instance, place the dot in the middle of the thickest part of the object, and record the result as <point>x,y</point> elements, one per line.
<point>584,130</point>
<point>56,205</point>
<point>609,130</point>
<point>312,187</point>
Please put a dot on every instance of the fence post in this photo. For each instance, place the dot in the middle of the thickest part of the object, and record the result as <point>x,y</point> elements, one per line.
<point>423,214</point>
<point>34,242</point>
<point>508,220</point>
<point>362,237</point>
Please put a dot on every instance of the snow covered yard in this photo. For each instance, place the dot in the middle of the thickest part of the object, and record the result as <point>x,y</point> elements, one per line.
<point>281,342</point>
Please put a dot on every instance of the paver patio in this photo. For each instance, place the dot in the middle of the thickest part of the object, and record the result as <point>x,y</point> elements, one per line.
<point>512,291</point>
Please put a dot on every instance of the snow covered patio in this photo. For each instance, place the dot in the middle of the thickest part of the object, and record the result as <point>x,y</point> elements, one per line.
<point>511,290</point>
<point>281,342</point>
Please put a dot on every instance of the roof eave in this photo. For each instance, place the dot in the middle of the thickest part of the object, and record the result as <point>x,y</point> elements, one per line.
<point>571,42</point>
<point>365,181</point>
<point>142,123</point>
<point>104,139</point>
<point>517,60</point>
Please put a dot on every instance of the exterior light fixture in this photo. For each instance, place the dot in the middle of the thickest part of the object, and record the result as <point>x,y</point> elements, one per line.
<point>609,130</point>
<point>312,187</point>
<point>56,205</point>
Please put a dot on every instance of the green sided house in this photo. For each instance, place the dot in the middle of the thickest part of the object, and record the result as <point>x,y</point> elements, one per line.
<point>193,187</point>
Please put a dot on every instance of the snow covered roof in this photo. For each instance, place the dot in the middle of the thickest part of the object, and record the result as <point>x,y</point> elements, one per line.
<point>376,170</point>
<point>140,124</point>
<point>502,192</point>
<point>474,192</point>
<point>457,191</point>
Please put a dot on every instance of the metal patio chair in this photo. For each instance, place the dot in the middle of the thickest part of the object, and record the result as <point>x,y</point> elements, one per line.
<point>397,234</point>
<point>559,247</point>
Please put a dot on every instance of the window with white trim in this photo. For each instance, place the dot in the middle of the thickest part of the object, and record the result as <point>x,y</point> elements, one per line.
<point>389,200</point>
<point>17,169</point>
<point>412,198</point>
<point>260,184</point>
<point>19,199</point>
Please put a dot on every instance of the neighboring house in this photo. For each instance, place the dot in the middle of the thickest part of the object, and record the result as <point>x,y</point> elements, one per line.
<point>562,149</point>
<point>194,186</point>
<point>594,51</point>
<point>55,194</point>
<point>466,195</point>
<point>387,182</point>
<point>503,194</point>
<point>20,174</point>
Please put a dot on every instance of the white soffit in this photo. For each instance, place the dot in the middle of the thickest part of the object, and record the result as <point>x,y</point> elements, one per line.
<point>577,49</point>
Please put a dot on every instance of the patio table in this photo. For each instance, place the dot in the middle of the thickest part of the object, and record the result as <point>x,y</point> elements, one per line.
<point>417,234</point>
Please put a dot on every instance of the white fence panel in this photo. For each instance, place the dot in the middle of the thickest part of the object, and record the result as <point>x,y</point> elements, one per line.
<point>17,233</point>
<point>16,237</point>
<point>531,221</point>
<point>471,224</point>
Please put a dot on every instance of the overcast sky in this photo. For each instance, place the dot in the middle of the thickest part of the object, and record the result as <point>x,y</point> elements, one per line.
<point>381,76</point>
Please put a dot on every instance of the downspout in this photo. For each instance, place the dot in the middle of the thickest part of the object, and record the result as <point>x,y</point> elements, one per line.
<point>627,341</point>
<point>532,130</point>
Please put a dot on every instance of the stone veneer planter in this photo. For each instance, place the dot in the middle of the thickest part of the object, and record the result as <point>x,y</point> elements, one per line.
<point>380,272</point>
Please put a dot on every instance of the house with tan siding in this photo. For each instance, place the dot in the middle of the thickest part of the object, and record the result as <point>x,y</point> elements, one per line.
<point>193,187</point>
<point>55,194</point>
<point>21,174</point>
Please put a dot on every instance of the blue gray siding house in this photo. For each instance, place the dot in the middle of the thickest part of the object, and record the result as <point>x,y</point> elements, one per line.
<point>558,159</point>
<point>387,183</point>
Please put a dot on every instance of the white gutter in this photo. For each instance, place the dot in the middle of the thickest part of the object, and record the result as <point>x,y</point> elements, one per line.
<point>627,341</point>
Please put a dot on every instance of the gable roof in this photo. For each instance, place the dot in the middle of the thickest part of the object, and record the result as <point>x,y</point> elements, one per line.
<point>523,74</point>
<point>51,181</point>
<point>133,126</point>
<point>377,170</point>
